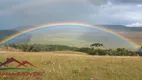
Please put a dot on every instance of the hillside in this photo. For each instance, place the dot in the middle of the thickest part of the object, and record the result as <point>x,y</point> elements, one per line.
<point>120,28</point>
<point>6,33</point>
<point>76,36</point>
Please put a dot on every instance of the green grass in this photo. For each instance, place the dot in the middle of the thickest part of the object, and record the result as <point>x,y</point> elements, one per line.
<point>62,66</point>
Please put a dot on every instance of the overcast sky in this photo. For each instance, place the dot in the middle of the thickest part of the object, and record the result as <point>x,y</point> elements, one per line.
<point>16,13</point>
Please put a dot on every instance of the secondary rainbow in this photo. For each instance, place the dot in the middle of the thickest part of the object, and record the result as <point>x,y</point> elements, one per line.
<point>67,23</point>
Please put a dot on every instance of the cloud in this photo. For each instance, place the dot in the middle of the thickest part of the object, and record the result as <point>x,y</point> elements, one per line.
<point>128,1</point>
<point>134,25</point>
<point>41,12</point>
<point>98,2</point>
<point>8,4</point>
<point>118,14</point>
<point>139,5</point>
<point>87,11</point>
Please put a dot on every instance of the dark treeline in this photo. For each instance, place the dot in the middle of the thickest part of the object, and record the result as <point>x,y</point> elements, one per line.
<point>88,50</point>
<point>40,47</point>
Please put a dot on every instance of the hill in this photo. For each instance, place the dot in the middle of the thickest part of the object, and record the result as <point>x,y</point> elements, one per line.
<point>120,28</point>
<point>21,39</point>
<point>6,33</point>
<point>77,36</point>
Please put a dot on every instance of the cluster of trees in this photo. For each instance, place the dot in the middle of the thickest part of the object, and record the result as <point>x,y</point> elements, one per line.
<point>92,50</point>
<point>96,45</point>
<point>110,52</point>
<point>140,51</point>
<point>40,47</point>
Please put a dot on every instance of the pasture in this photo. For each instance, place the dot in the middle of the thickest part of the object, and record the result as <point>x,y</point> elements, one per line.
<point>68,65</point>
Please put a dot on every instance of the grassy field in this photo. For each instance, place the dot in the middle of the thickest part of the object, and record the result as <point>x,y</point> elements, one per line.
<point>78,66</point>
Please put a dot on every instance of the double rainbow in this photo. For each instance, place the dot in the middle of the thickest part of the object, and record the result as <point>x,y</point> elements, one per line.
<point>66,24</point>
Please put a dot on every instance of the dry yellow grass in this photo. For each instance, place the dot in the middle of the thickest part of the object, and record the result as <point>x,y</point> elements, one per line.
<point>69,65</point>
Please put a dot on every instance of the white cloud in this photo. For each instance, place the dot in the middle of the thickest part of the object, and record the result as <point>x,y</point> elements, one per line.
<point>135,25</point>
<point>139,5</point>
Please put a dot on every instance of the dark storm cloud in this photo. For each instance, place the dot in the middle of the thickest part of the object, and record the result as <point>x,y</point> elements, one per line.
<point>98,2</point>
<point>43,12</point>
<point>86,11</point>
<point>5,4</point>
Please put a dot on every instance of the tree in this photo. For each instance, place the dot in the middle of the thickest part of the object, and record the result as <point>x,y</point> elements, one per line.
<point>96,45</point>
<point>140,51</point>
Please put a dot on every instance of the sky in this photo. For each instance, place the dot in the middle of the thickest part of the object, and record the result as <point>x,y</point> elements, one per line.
<point>17,13</point>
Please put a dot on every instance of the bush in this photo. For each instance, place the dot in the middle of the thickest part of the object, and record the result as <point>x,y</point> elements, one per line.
<point>90,51</point>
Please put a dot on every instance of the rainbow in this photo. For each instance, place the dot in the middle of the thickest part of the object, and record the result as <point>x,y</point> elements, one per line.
<point>67,23</point>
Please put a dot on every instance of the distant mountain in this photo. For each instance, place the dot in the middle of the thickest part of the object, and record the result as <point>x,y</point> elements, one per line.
<point>22,28</point>
<point>6,33</point>
<point>72,35</point>
<point>135,28</point>
<point>111,27</point>
<point>20,39</point>
<point>121,28</point>
<point>115,27</point>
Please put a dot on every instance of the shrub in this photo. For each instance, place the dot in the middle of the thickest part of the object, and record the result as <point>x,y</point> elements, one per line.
<point>90,51</point>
